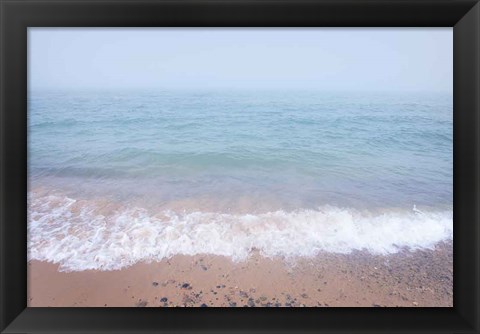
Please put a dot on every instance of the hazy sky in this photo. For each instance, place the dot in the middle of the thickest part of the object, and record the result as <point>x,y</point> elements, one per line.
<point>352,59</point>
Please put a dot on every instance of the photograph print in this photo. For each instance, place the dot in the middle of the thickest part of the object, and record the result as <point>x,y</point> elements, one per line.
<point>240,167</point>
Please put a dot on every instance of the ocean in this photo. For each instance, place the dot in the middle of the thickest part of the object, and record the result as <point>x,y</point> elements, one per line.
<point>120,177</point>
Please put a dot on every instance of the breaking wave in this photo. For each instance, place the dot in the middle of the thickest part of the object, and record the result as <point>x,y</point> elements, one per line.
<point>80,235</point>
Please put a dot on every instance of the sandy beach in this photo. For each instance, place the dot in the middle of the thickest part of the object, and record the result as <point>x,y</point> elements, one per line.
<point>406,279</point>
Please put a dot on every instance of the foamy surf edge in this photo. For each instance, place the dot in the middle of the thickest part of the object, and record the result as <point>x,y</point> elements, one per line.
<point>77,236</point>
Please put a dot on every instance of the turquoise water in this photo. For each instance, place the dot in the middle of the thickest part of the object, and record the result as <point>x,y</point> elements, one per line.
<point>310,147</point>
<point>247,152</point>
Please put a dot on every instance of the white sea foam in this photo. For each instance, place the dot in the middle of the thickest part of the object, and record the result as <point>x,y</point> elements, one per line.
<point>77,236</point>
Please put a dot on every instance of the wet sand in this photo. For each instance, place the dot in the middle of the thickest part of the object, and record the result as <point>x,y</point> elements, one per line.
<point>421,278</point>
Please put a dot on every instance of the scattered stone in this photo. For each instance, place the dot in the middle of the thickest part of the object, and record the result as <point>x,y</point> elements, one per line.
<point>263,298</point>
<point>155,283</point>
<point>164,299</point>
<point>185,285</point>
<point>187,300</point>
<point>415,304</point>
<point>142,303</point>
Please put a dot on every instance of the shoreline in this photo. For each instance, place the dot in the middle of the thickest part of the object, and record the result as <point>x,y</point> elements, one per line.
<point>101,234</point>
<point>422,278</point>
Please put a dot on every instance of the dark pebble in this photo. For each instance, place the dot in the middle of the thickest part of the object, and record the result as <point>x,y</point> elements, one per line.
<point>185,285</point>
<point>164,299</point>
<point>204,305</point>
<point>155,283</point>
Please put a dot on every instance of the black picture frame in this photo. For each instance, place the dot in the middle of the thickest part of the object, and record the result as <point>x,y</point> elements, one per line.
<point>17,15</point>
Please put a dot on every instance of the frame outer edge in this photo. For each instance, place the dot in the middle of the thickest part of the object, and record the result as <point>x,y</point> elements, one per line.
<point>467,165</point>
<point>13,195</point>
<point>476,71</point>
<point>3,303</point>
<point>474,13</point>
